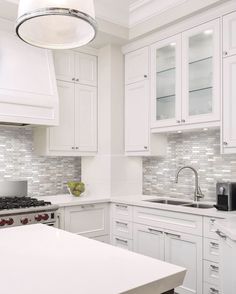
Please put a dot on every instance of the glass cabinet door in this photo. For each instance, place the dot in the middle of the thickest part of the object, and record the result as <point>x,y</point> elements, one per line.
<point>166,82</point>
<point>201,73</point>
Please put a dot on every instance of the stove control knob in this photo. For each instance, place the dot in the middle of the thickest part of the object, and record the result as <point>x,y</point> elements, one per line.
<point>24,221</point>
<point>10,221</point>
<point>45,217</point>
<point>38,217</point>
<point>2,222</point>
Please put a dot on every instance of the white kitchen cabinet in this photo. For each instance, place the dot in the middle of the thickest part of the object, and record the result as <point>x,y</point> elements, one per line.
<point>229,105</point>
<point>138,140</point>
<point>186,250</point>
<point>122,242</point>
<point>211,289</point>
<point>137,66</point>
<point>185,79</point>
<point>77,133</point>
<point>90,220</point>
<point>229,34</point>
<point>28,92</point>
<point>201,74</point>
<point>72,66</point>
<point>149,241</point>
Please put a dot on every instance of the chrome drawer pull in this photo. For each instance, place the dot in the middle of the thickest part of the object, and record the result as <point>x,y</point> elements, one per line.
<point>214,245</point>
<point>214,268</point>
<point>154,231</point>
<point>212,220</point>
<point>121,206</point>
<point>121,223</point>
<point>173,235</point>
<point>87,206</point>
<point>121,240</point>
<point>214,291</point>
<point>222,235</point>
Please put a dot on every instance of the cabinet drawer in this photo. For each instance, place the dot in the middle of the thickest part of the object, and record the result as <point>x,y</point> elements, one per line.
<point>211,289</point>
<point>186,223</point>
<point>122,211</point>
<point>211,273</point>
<point>211,250</point>
<point>209,229</point>
<point>122,242</point>
<point>90,220</point>
<point>122,228</point>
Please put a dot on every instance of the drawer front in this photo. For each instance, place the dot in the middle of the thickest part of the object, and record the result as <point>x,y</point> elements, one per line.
<point>122,242</point>
<point>211,250</point>
<point>211,289</point>
<point>122,228</point>
<point>122,211</point>
<point>186,223</point>
<point>211,273</point>
<point>209,228</point>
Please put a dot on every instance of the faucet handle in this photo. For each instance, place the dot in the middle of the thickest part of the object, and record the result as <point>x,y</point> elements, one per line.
<point>199,193</point>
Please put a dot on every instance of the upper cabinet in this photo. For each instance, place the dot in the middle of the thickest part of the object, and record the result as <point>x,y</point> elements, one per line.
<point>76,67</point>
<point>185,78</point>
<point>229,85</point>
<point>229,35</point>
<point>28,92</point>
<point>138,140</point>
<point>137,66</point>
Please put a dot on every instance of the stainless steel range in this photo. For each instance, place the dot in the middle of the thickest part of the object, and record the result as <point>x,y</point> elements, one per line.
<point>16,209</point>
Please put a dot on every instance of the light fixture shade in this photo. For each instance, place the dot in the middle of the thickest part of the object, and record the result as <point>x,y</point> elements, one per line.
<point>56,24</point>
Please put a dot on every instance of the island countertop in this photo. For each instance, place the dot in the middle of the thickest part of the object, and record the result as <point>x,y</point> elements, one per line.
<point>40,259</point>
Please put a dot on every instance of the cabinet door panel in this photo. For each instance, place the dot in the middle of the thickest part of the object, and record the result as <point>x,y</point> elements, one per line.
<point>201,73</point>
<point>86,118</point>
<point>64,63</point>
<point>166,82</point>
<point>229,34</point>
<point>62,137</point>
<point>149,241</point>
<point>229,104</point>
<point>137,66</point>
<point>137,117</point>
<point>89,220</point>
<point>86,69</point>
<point>186,251</point>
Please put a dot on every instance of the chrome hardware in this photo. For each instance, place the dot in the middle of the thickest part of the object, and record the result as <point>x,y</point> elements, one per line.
<point>183,120</point>
<point>178,121</point>
<point>77,80</point>
<point>225,53</point>
<point>145,147</point>
<point>197,193</point>
<point>121,223</point>
<point>76,148</point>
<point>121,240</point>
<point>214,245</point>
<point>214,291</point>
<point>121,206</point>
<point>214,268</point>
<point>225,143</point>
<point>173,235</point>
<point>145,76</point>
<point>222,235</point>
<point>212,220</point>
<point>87,206</point>
<point>73,79</point>
<point>154,231</point>
<point>73,148</point>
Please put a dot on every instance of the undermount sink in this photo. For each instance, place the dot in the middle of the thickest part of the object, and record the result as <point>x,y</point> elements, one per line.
<point>168,201</point>
<point>181,203</point>
<point>199,205</point>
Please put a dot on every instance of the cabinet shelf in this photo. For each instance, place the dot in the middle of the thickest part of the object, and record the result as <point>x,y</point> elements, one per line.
<point>165,97</point>
<point>166,70</point>
<point>200,60</point>
<point>200,89</point>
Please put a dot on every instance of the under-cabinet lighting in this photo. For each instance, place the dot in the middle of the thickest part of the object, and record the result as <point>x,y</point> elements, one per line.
<point>179,132</point>
<point>172,44</point>
<point>208,32</point>
<point>205,129</point>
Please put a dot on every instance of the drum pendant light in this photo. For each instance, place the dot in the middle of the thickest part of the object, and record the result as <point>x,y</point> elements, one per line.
<point>56,24</point>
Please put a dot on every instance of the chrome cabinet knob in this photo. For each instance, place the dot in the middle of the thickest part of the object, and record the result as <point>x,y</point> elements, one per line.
<point>77,80</point>
<point>76,148</point>
<point>225,53</point>
<point>73,148</point>
<point>145,147</point>
<point>178,121</point>
<point>73,79</point>
<point>145,76</point>
<point>225,143</point>
<point>183,120</point>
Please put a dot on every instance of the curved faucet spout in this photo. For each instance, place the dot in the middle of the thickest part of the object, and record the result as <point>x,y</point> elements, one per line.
<point>197,193</point>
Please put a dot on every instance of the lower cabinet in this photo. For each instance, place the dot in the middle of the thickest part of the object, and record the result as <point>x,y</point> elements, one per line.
<point>89,220</point>
<point>149,241</point>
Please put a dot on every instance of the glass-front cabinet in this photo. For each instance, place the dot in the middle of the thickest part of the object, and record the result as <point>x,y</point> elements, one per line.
<point>201,73</point>
<point>166,82</point>
<point>186,77</point>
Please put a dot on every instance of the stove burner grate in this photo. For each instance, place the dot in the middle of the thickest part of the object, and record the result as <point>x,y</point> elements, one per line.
<point>21,202</point>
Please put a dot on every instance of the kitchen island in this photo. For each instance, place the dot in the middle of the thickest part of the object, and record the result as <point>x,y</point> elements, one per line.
<point>41,259</point>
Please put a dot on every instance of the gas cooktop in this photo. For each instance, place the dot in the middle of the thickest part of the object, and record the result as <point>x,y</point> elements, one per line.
<point>21,202</point>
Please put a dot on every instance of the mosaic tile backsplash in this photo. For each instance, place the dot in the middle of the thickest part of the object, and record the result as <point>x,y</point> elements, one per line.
<point>45,175</point>
<point>201,150</point>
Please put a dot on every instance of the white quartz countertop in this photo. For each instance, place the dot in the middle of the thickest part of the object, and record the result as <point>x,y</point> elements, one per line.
<point>227,227</point>
<point>136,200</point>
<point>40,259</point>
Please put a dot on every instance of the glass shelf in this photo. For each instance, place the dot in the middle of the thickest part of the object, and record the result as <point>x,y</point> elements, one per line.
<point>201,60</point>
<point>201,89</point>
<point>165,70</point>
<point>200,101</point>
<point>165,97</point>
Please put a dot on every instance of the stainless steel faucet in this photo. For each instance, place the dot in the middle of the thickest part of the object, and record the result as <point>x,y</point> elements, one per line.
<point>197,193</point>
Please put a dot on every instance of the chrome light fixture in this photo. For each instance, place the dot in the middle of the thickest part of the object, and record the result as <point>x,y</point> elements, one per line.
<point>56,24</point>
